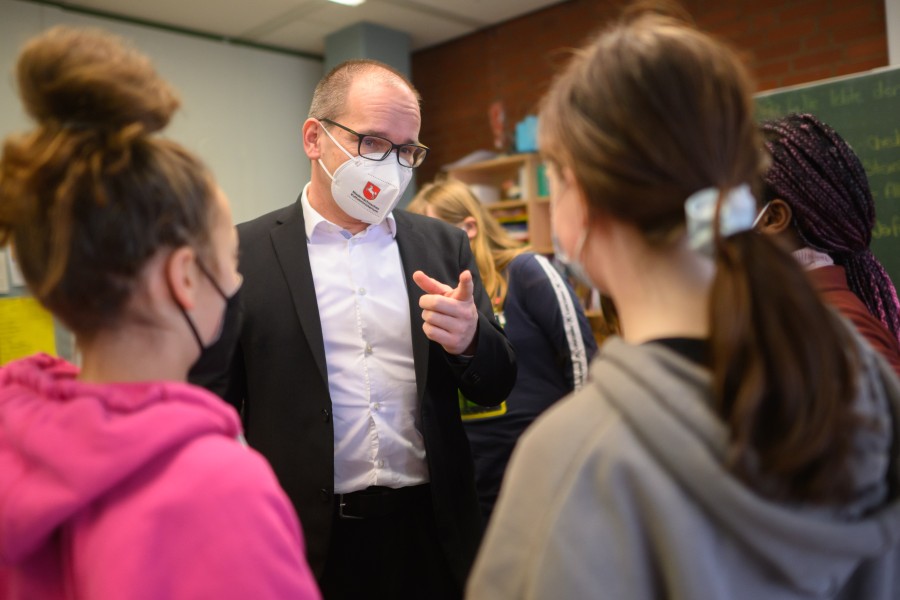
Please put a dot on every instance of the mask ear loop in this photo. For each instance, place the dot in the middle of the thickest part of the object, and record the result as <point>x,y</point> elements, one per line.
<point>324,168</point>
<point>760,215</point>
<point>334,141</point>
<point>187,317</point>
<point>193,327</point>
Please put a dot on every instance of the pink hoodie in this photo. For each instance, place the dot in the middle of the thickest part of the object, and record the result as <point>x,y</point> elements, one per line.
<point>136,491</point>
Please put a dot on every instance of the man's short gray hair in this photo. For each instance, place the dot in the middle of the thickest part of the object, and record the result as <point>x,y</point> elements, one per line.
<point>330,96</point>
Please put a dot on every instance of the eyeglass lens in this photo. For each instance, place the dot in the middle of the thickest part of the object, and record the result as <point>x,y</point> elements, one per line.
<point>376,148</point>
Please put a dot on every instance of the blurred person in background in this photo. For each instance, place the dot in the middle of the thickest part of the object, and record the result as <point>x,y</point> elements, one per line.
<point>819,206</point>
<point>541,316</point>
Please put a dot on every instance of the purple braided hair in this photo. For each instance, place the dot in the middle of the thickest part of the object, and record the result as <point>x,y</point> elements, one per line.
<point>817,173</point>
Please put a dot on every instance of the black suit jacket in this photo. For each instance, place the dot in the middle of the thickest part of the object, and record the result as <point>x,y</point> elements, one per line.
<point>278,378</point>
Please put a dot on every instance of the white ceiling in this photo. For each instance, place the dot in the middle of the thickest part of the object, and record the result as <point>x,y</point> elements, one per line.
<point>302,25</point>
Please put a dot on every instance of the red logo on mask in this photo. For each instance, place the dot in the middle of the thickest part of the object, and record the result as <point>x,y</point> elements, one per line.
<point>371,191</point>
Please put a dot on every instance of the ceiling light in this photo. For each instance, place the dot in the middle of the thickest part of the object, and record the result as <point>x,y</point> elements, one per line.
<point>349,2</point>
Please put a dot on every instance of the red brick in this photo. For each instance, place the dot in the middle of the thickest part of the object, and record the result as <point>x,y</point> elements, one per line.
<point>859,66</point>
<point>764,21</point>
<point>817,41</point>
<point>772,70</point>
<point>812,60</point>
<point>730,30</point>
<point>722,14</point>
<point>803,10</point>
<point>808,76</point>
<point>515,61</point>
<point>874,48</point>
<point>761,6</point>
<point>858,31</point>
<point>786,31</point>
<point>785,49</point>
<point>767,84</point>
<point>854,13</point>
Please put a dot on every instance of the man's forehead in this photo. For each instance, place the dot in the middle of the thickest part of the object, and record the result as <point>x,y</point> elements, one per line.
<point>383,108</point>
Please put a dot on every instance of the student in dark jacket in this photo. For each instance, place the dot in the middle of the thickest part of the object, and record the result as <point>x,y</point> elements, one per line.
<point>541,316</point>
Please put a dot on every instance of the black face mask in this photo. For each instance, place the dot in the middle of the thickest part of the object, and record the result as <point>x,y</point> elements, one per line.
<point>230,324</point>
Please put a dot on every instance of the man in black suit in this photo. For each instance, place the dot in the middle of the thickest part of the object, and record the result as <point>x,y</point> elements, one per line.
<point>361,325</point>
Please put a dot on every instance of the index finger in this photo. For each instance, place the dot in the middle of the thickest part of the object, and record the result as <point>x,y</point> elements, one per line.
<point>430,285</point>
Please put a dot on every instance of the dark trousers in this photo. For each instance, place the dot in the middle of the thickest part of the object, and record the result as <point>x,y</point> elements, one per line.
<point>392,552</point>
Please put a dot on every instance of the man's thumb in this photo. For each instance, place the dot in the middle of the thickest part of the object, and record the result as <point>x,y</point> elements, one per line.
<point>466,288</point>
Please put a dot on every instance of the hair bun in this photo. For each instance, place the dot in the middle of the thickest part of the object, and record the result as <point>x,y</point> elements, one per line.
<point>88,78</point>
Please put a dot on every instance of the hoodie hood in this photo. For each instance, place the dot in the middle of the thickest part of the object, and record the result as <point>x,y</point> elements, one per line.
<point>64,443</point>
<point>815,549</point>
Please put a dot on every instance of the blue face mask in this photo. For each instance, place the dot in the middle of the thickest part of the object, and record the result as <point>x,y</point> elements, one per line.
<point>573,264</point>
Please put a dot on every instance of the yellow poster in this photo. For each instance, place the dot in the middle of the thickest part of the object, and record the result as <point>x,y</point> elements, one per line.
<point>25,328</point>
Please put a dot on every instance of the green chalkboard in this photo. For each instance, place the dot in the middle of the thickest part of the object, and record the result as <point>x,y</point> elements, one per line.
<point>865,110</point>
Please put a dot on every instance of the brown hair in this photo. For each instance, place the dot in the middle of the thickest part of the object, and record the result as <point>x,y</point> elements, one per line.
<point>89,196</point>
<point>650,112</point>
<point>330,96</point>
<point>493,247</point>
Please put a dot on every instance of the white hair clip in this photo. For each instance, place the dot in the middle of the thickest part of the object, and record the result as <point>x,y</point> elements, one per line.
<point>738,213</point>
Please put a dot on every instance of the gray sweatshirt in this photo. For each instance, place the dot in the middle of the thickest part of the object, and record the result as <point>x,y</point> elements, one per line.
<point>620,491</point>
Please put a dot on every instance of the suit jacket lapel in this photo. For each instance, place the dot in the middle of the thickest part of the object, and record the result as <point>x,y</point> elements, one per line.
<point>289,241</point>
<point>413,246</point>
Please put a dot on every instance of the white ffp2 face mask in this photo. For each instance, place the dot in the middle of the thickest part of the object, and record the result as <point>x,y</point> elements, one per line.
<point>367,190</point>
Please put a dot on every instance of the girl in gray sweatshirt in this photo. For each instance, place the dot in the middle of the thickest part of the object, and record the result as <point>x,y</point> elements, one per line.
<point>739,440</point>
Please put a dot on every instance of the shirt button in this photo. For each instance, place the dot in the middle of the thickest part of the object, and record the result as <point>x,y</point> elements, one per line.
<point>376,407</point>
<point>326,415</point>
<point>368,349</point>
<point>380,463</point>
<point>361,291</point>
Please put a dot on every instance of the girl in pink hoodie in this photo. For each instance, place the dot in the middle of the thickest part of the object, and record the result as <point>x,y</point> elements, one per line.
<point>120,480</point>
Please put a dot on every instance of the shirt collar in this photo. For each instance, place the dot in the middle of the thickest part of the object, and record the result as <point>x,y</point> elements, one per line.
<point>313,220</point>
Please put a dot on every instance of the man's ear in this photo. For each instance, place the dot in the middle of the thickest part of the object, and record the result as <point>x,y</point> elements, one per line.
<point>777,218</point>
<point>311,139</point>
<point>181,275</point>
<point>470,226</point>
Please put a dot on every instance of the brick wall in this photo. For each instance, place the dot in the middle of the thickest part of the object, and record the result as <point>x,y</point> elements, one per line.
<point>785,42</point>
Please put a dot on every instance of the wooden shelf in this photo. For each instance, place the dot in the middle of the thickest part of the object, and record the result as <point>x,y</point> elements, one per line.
<point>495,164</point>
<point>505,204</point>
<point>519,172</point>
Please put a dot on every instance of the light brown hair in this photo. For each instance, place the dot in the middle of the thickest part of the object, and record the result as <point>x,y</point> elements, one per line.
<point>89,195</point>
<point>452,201</point>
<point>648,113</point>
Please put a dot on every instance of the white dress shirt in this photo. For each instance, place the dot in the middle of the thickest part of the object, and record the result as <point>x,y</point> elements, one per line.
<point>365,316</point>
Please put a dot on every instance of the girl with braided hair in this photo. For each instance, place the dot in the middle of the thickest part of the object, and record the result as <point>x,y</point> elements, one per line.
<point>819,206</point>
<point>118,479</point>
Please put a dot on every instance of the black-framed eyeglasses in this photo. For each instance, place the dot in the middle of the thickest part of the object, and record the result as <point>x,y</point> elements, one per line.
<point>378,148</point>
